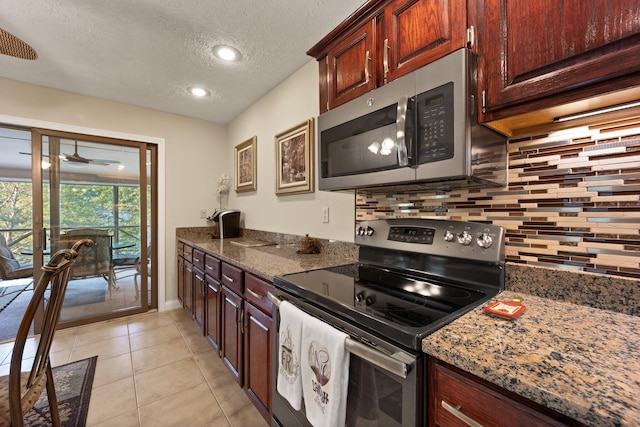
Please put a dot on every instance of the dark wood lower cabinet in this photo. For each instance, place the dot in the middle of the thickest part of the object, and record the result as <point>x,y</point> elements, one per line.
<point>460,399</point>
<point>212,325</point>
<point>198,297</point>
<point>180,278</point>
<point>257,358</point>
<point>232,332</point>
<point>187,301</point>
<point>231,308</point>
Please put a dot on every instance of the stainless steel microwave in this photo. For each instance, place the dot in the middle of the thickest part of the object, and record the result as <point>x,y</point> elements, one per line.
<point>417,132</point>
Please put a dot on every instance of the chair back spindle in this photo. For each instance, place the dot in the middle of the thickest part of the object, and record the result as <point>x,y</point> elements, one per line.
<point>24,391</point>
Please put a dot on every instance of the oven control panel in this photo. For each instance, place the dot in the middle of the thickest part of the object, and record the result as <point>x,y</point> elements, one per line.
<point>460,239</point>
<point>420,235</point>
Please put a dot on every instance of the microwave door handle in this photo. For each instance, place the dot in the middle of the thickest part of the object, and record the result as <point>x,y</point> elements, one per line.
<point>401,130</point>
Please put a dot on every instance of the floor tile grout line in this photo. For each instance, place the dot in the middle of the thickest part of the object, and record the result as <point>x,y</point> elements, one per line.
<point>133,377</point>
<point>182,334</point>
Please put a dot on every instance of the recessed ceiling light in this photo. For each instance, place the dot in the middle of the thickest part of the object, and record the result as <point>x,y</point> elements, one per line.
<point>198,91</point>
<point>227,53</point>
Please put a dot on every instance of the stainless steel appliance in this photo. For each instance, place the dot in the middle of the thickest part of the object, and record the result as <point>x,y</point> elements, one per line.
<point>417,132</point>
<point>413,277</point>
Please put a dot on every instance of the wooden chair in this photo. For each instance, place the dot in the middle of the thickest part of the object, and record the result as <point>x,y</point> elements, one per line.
<point>19,391</point>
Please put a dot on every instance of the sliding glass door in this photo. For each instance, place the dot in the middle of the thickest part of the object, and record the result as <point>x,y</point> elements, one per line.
<point>99,189</point>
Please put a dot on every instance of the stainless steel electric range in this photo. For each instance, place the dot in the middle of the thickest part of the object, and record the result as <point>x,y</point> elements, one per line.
<point>413,276</point>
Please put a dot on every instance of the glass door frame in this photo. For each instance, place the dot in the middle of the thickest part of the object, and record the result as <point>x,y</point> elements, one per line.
<point>39,235</point>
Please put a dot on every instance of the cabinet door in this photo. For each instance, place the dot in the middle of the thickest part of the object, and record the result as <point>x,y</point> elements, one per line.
<point>198,297</point>
<point>351,65</point>
<point>531,50</point>
<point>257,358</point>
<point>187,302</point>
<point>212,325</point>
<point>180,278</point>
<point>232,332</point>
<point>417,32</point>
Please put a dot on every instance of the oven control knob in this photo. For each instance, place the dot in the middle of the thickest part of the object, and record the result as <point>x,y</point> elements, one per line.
<point>360,231</point>
<point>369,231</point>
<point>448,236</point>
<point>360,297</point>
<point>465,238</point>
<point>484,240</point>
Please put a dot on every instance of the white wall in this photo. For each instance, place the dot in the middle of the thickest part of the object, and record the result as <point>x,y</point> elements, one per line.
<point>289,104</point>
<point>194,149</point>
<point>198,152</point>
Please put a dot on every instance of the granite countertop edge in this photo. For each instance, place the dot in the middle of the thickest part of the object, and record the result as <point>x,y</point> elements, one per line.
<point>576,360</point>
<point>269,261</point>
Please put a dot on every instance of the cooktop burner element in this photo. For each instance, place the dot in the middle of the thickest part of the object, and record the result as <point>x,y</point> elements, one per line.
<point>413,276</point>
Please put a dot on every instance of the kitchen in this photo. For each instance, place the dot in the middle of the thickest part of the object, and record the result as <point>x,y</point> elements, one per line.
<point>295,100</point>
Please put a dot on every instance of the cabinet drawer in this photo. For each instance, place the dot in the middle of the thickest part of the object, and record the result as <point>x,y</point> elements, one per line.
<point>255,291</point>
<point>198,259</point>
<point>212,267</point>
<point>457,396</point>
<point>187,252</point>
<point>232,278</point>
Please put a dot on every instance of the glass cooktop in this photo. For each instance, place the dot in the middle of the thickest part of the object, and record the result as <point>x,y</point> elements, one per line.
<point>404,304</point>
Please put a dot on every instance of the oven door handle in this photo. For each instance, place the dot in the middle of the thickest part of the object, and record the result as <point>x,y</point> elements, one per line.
<point>389,363</point>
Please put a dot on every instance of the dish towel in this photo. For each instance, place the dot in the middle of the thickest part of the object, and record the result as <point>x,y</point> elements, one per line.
<point>289,382</point>
<point>325,373</point>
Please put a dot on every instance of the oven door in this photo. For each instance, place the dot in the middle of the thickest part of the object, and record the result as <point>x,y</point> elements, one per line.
<point>386,388</point>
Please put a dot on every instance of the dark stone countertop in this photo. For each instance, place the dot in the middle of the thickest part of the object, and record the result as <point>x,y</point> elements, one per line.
<point>580,361</point>
<point>270,261</point>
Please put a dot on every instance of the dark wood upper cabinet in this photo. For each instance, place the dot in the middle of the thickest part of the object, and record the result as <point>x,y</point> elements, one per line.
<point>351,66</point>
<point>420,31</point>
<point>534,55</point>
<point>383,41</point>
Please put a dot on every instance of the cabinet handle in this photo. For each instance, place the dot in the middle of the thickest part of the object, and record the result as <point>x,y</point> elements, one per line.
<point>228,278</point>
<point>198,277</point>
<point>254,294</point>
<point>385,59</point>
<point>367,59</point>
<point>455,411</point>
<point>196,259</point>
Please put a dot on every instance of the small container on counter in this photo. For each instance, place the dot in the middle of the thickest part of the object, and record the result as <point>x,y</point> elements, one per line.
<point>307,245</point>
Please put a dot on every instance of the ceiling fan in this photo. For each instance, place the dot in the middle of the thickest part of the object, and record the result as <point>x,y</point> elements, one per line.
<point>76,159</point>
<point>13,46</point>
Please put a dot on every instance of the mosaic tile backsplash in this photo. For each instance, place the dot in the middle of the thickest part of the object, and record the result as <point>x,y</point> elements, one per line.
<point>572,202</point>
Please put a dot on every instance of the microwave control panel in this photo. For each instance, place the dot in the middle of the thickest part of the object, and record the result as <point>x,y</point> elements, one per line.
<point>434,109</point>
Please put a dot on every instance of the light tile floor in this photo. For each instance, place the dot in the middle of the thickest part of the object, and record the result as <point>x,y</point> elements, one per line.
<point>154,369</point>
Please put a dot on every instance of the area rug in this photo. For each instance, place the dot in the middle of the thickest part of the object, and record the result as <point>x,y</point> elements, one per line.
<point>73,390</point>
<point>85,292</point>
<point>10,293</point>
<point>11,316</point>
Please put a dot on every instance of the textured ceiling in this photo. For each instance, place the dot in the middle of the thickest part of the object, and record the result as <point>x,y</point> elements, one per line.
<point>148,52</point>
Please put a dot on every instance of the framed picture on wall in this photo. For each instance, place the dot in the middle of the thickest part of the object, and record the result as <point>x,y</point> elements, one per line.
<point>245,166</point>
<point>294,159</point>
